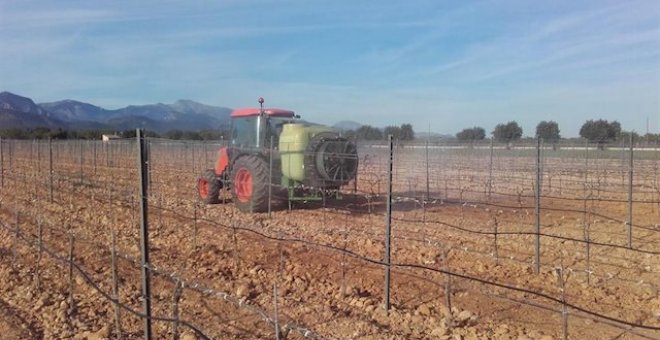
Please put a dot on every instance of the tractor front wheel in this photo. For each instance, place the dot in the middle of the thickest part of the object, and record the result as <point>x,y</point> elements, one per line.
<point>208,187</point>
<point>250,183</point>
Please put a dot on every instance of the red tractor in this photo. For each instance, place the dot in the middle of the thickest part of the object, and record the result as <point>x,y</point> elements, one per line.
<point>273,155</point>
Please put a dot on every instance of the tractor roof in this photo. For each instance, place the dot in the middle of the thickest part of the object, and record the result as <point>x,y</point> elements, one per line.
<point>254,111</point>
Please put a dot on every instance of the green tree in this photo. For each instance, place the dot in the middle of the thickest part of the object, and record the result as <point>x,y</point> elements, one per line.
<point>600,131</point>
<point>395,131</point>
<point>615,128</point>
<point>367,132</point>
<point>14,133</point>
<point>406,132</point>
<point>508,132</point>
<point>41,133</point>
<point>625,136</point>
<point>59,134</point>
<point>471,134</point>
<point>652,138</point>
<point>548,130</point>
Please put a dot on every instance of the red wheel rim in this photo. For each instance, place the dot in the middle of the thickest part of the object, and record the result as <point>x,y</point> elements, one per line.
<point>243,185</point>
<point>203,187</point>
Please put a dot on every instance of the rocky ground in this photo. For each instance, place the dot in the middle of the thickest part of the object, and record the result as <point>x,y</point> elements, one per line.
<point>306,255</point>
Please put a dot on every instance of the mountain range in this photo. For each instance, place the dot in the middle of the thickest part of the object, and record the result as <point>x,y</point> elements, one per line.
<point>23,113</point>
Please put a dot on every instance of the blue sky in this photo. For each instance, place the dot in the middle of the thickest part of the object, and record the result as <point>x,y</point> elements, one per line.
<point>450,64</point>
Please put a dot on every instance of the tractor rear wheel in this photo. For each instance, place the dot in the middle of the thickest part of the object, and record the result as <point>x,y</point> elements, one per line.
<point>250,183</point>
<point>208,187</point>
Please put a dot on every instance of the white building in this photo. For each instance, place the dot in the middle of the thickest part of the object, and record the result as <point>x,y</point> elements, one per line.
<point>107,138</point>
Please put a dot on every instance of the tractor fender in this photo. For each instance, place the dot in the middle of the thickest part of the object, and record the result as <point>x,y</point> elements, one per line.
<point>222,162</point>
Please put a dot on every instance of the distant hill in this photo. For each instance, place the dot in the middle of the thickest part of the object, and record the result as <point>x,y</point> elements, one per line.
<point>160,112</point>
<point>21,112</point>
<point>182,115</point>
<point>14,102</point>
<point>135,122</point>
<point>72,110</point>
<point>191,107</point>
<point>186,115</point>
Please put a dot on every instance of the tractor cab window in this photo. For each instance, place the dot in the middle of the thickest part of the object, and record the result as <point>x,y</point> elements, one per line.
<point>244,132</point>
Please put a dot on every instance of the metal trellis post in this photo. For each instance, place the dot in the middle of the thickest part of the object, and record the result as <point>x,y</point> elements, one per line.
<point>82,160</point>
<point>115,284</point>
<point>71,283</point>
<point>270,177</point>
<point>428,185</point>
<point>95,155</point>
<point>50,169</point>
<point>388,227</point>
<point>490,170</point>
<point>630,193</point>
<point>537,229</point>
<point>144,231</point>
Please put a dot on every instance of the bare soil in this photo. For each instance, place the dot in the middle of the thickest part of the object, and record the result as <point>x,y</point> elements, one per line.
<point>321,261</point>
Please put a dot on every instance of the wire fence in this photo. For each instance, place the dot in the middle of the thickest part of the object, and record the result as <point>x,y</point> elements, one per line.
<point>557,230</point>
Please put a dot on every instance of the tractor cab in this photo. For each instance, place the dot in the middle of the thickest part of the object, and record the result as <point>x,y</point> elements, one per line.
<point>254,127</point>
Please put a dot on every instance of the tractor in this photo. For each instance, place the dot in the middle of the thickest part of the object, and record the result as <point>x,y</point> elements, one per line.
<point>275,157</point>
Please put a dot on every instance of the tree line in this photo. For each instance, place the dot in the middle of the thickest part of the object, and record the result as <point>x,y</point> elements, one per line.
<point>367,132</point>
<point>96,134</point>
<point>595,131</point>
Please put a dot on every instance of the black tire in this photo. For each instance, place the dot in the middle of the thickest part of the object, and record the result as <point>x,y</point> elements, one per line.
<point>252,196</point>
<point>208,187</point>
